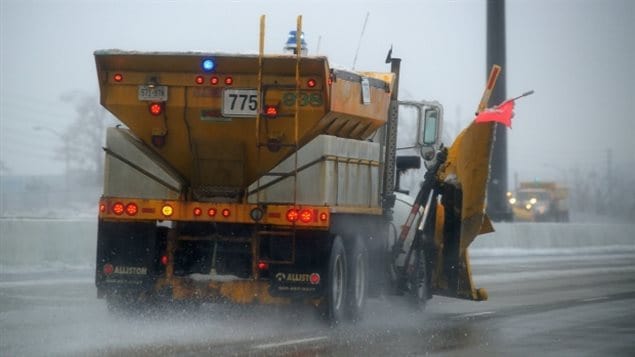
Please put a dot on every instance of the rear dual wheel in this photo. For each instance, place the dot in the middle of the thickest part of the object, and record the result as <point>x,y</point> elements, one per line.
<point>357,280</point>
<point>347,282</point>
<point>336,282</point>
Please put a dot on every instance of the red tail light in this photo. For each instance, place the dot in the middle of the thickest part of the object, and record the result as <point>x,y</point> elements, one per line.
<point>292,215</point>
<point>263,266</point>
<point>311,83</point>
<point>211,212</point>
<point>197,211</point>
<point>226,212</point>
<point>199,80</point>
<point>132,209</point>
<point>118,208</point>
<point>156,108</point>
<point>229,81</point>
<point>117,77</point>
<point>306,215</point>
<point>102,207</point>
<point>324,216</point>
<point>164,260</point>
<point>271,111</point>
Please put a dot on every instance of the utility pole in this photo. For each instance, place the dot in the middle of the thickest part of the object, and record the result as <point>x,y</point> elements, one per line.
<point>609,178</point>
<point>497,207</point>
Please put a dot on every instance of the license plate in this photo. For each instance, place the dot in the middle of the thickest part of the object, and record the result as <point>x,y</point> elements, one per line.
<point>240,102</point>
<point>153,93</point>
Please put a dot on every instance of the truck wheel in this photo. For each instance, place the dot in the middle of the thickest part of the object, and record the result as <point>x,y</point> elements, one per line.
<point>358,280</point>
<point>418,284</point>
<point>336,283</point>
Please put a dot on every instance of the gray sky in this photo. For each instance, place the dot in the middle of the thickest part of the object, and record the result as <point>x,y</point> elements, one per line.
<point>578,55</point>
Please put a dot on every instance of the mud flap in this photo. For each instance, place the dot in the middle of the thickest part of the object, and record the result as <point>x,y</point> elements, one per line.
<point>460,216</point>
<point>127,258</point>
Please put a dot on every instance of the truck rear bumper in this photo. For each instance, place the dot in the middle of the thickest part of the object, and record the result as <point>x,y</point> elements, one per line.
<point>240,291</point>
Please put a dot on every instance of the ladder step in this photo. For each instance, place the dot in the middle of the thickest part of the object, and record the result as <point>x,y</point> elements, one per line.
<point>279,174</point>
<point>277,144</point>
<point>275,233</point>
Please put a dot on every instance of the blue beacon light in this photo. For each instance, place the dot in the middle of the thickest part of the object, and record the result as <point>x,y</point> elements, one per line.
<point>208,65</point>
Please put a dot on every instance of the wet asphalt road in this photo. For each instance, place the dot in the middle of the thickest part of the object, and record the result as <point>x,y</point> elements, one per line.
<point>539,305</point>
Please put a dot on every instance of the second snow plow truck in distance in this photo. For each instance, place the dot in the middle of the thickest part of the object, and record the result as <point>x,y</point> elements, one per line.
<point>537,201</point>
<point>270,179</point>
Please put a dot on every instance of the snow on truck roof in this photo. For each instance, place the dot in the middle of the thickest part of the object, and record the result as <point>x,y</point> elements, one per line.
<point>249,54</point>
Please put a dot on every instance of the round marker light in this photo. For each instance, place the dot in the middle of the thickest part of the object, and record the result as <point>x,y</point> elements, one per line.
<point>211,212</point>
<point>256,214</point>
<point>197,211</point>
<point>156,109</point>
<point>226,212</point>
<point>263,265</point>
<point>292,215</point>
<point>214,80</point>
<point>199,80</point>
<point>118,77</point>
<point>167,210</point>
<point>306,215</point>
<point>118,208</point>
<point>324,216</point>
<point>229,81</point>
<point>132,209</point>
<point>164,260</point>
<point>208,65</point>
<point>102,208</point>
<point>311,83</point>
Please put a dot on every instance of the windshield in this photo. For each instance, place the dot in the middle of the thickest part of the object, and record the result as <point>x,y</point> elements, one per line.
<point>537,194</point>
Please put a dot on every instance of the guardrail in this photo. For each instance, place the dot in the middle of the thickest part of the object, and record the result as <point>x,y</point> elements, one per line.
<point>41,244</point>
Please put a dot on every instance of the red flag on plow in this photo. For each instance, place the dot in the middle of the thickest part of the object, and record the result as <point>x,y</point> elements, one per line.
<point>502,114</point>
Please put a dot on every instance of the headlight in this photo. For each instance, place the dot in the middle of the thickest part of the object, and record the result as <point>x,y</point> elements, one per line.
<point>533,201</point>
<point>512,200</point>
<point>528,206</point>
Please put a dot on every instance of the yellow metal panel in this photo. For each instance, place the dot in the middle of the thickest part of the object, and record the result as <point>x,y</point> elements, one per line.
<point>467,169</point>
<point>468,163</point>
<point>194,129</point>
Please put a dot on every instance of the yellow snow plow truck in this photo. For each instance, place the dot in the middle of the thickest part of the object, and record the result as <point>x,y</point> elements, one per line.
<point>271,179</point>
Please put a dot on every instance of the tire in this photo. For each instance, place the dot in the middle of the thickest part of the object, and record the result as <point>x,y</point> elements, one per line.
<point>336,283</point>
<point>357,290</point>
<point>418,284</point>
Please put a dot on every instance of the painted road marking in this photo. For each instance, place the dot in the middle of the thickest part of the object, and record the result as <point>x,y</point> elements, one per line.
<point>290,342</point>
<point>596,299</point>
<point>474,314</point>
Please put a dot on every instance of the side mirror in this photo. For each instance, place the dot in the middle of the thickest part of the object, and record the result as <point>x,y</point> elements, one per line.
<point>429,134</point>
